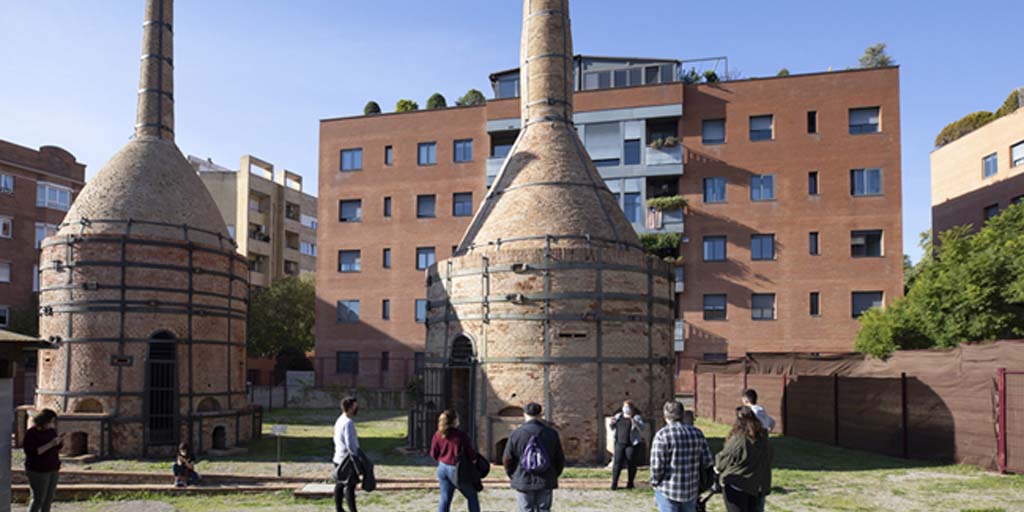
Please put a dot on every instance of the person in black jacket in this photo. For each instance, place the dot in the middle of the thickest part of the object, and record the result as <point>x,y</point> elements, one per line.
<point>534,470</point>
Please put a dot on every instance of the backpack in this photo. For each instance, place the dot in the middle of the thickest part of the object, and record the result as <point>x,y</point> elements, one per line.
<point>535,458</point>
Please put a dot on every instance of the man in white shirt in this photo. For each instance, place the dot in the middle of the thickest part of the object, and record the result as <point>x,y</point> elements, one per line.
<point>749,399</point>
<point>346,443</point>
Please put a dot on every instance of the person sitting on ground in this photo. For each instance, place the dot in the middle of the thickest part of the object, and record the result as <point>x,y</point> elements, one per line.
<point>185,467</point>
<point>745,464</point>
<point>679,456</point>
<point>749,399</point>
<point>447,445</point>
<point>627,427</point>
<point>534,460</point>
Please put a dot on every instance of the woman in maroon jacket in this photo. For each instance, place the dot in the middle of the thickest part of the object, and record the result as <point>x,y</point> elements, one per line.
<point>445,448</point>
<point>42,447</point>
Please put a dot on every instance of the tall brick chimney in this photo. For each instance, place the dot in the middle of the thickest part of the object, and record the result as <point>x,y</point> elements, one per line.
<point>155,115</point>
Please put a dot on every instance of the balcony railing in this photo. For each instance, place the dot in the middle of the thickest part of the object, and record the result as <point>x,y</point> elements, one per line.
<point>663,156</point>
<point>671,221</point>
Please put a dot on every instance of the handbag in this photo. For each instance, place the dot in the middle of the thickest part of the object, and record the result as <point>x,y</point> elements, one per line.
<point>468,472</point>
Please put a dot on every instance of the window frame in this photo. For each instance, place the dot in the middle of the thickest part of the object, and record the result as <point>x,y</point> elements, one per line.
<point>761,179</point>
<point>759,137</point>
<point>853,301</point>
<point>433,209</point>
<point>385,309</point>
<point>865,233</point>
<point>754,246</point>
<point>456,151</point>
<point>357,153</point>
<point>814,243</point>
<point>715,238</point>
<point>1019,161</point>
<point>10,271</point>
<point>864,172</point>
<point>7,189</point>
<point>715,179</point>
<point>5,316</point>
<point>352,357</point>
<point>423,254</point>
<point>703,131</point>
<point>627,152</point>
<point>994,158</point>
<point>45,187</point>
<point>813,183</point>
<point>431,155</point>
<point>352,316</point>
<point>341,210</point>
<point>456,203</point>
<point>416,310</point>
<point>814,304</point>
<point>754,311</point>
<point>7,221</point>
<point>389,155</point>
<point>858,129</point>
<point>385,258</point>
<point>354,266</point>
<point>812,122</point>
<point>712,314</point>
<point>387,207</point>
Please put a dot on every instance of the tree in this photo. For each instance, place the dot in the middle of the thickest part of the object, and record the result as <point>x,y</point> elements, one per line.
<point>436,100</point>
<point>371,108</point>
<point>963,126</point>
<point>711,77</point>
<point>281,317</point>
<point>404,105</point>
<point>472,97</point>
<point>971,288</point>
<point>1014,101</point>
<point>783,72</point>
<point>876,57</point>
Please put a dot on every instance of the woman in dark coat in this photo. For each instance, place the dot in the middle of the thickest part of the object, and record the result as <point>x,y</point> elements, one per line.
<point>42,446</point>
<point>627,427</point>
<point>447,445</point>
<point>745,464</point>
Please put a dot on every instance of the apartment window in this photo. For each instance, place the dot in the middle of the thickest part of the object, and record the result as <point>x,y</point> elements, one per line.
<point>631,152</point>
<point>425,257</point>
<point>386,258</point>
<point>713,131</point>
<point>866,182</point>
<point>5,316</point>
<point>308,248</point>
<point>309,221</point>
<point>864,244</point>
<point>5,271</point>
<point>350,210</point>
<point>989,166</point>
<point>714,248</point>
<point>6,227</point>
<point>348,261</point>
<point>389,155</point>
<point>426,206</point>
<point>863,120</point>
<point>347,363</point>
<point>426,153</point>
<point>462,204</point>
<point>604,143</point>
<point>991,211</point>
<point>761,127</point>
<point>1017,154</point>
<point>597,80</point>
<point>813,243</point>
<point>53,196</point>
<point>863,301</point>
<point>814,301</point>
<point>762,306</point>
<point>6,183</point>
<point>387,206</point>
<point>421,310</point>
<point>714,190</point>
<point>385,309</point>
<point>43,231</point>
<point>812,121</point>
<point>631,207</point>
<point>464,150</point>
<point>714,307</point>
<point>352,159</point>
<point>812,183</point>
<point>762,188</point>
<point>348,311</point>
<point>385,361</point>
<point>762,247</point>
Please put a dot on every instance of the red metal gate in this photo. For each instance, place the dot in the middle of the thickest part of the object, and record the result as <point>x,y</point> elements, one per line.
<point>1011,420</point>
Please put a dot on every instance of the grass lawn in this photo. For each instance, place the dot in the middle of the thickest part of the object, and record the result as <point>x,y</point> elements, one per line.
<point>807,476</point>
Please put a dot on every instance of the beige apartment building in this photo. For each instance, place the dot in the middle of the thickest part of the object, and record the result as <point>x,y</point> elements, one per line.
<point>267,213</point>
<point>979,174</point>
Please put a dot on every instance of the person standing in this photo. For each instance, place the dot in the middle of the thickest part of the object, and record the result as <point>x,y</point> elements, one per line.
<point>745,464</point>
<point>534,460</point>
<point>627,427</point>
<point>42,446</point>
<point>346,447</point>
<point>447,445</point>
<point>679,455</point>
<point>749,399</point>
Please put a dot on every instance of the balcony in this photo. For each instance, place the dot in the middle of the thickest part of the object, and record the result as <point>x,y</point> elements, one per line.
<point>667,221</point>
<point>664,155</point>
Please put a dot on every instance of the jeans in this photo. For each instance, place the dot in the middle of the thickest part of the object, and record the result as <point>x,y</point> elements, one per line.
<point>44,489</point>
<point>534,501</point>
<point>446,477</point>
<point>668,505</point>
<point>625,455</point>
<point>345,491</point>
<point>739,501</point>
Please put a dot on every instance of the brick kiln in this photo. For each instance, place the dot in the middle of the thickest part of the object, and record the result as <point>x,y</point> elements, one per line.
<point>145,293</point>
<point>550,296</point>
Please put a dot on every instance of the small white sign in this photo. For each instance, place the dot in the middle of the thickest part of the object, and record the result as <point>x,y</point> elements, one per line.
<point>278,430</point>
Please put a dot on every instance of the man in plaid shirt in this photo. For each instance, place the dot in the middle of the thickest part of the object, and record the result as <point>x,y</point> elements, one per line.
<point>678,456</point>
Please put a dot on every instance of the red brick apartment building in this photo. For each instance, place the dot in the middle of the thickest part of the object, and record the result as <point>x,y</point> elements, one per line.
<point>792,227</point>
<point>36,190</point>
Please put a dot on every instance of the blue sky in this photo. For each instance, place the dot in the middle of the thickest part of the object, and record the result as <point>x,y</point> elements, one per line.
<point>256,76</point>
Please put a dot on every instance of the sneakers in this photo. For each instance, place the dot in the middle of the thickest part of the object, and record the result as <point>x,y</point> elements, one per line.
<point>179,483</point>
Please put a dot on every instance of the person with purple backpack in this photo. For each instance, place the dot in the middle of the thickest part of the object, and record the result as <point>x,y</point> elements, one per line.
<point>534,460</point>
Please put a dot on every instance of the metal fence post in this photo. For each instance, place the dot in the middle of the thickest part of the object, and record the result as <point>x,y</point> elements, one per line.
<point>904,420</point>
<point>714,397</point>
<point>1001,442</point>
<point>695,384</point>
<point>782,405</point>
<point>835,409</point>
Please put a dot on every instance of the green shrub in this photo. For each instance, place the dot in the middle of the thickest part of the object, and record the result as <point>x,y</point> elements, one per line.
<point>406,106</point>
<point>371,108</point>
<point>963,126</point>
<point>783,72</point>
<point>711,77</point>
<point>436,100</point>
<point>662,204</point>
<point>472,97</point>
<point>662,245</point>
